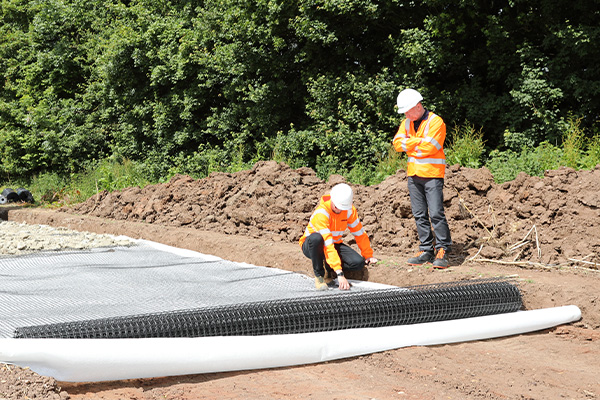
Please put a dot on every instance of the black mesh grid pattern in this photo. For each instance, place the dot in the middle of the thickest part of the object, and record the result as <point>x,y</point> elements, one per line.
<point>387,307</point>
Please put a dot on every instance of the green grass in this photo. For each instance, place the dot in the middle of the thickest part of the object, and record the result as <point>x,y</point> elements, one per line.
<point>53,190</point>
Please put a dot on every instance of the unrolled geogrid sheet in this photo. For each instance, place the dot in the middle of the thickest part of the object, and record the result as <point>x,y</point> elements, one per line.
<point>53,287</point>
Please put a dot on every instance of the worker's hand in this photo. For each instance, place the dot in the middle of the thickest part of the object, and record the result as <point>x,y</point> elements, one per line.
<point>343,283</point>
<point>371,260</point>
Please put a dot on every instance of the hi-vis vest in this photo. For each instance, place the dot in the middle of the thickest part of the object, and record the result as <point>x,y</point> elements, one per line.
<point>332,226</point>
<point>424,148</point>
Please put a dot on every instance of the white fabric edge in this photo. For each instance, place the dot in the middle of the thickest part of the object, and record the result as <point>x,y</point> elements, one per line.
<point>171,249</point>
<point>85,360</point>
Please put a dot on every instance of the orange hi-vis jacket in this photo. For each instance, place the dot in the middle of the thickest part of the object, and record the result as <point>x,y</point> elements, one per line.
<point>424,148</point>
<point>332,226</point>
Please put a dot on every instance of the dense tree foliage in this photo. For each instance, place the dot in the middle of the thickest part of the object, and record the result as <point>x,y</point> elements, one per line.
<point>193,86</point>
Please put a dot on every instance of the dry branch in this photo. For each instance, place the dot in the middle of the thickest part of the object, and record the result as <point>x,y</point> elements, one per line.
<point>476,254</point>
<point>585,262</point>
<point>525,241</point>
<point>518,263</point>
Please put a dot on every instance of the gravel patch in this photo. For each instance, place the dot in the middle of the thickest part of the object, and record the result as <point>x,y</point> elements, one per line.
<point>18,238</point>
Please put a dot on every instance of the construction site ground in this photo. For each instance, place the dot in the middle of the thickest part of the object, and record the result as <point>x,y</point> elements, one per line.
<point>543,232</point>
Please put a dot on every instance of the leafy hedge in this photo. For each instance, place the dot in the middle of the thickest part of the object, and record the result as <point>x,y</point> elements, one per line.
<point>194,86</point>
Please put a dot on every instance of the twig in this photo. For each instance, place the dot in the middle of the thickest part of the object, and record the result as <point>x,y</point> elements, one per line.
<point>474,216</point>
<point>502,262</point>
<point>517,245</point>
<point>528,233</point>
<point>513,262</point>
<point>582,261</point>
<point>524,242</point>
<point>586,269</point>
<point>471,259</point>
<point>491,212</point>
<point>537,243</point>
<point>96,197</point>
<point>518,255</point>
<point>525,263</point>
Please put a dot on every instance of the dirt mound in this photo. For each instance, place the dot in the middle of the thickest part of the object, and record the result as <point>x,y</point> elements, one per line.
<point>542,220</point>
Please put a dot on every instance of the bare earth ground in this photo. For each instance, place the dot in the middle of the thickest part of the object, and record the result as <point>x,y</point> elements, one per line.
<point>543,231</point>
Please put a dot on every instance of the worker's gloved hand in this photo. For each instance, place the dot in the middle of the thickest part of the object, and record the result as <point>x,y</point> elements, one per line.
<point>371,260</point>
<point>343,283</point>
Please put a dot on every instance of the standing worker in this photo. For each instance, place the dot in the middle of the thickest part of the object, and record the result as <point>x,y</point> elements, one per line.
<point>421,135</point>
<point>322,239</point>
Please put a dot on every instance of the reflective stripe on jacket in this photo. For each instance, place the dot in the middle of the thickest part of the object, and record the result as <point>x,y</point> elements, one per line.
<point>424,148</point>
<point>332,227</point>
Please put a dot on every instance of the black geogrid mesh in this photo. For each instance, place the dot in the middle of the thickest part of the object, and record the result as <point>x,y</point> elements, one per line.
<point>397,306</point>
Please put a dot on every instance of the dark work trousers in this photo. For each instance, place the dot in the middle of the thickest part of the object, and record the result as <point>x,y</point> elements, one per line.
<point>313,248</point>
<point>427,203</point>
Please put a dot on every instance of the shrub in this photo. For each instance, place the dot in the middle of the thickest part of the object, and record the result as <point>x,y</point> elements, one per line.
<point>506,165</point>
<point>573,143</point>
<point>49,188</point>
<point>465,146</point>
<point>592,154</point>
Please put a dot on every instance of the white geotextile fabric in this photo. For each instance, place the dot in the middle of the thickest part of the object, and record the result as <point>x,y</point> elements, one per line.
<point>83,360</point>
<point>53,287</point>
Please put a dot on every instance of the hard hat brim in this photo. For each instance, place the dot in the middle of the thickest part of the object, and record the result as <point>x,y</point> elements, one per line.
<point>344,208</point>
<point>406,108</point>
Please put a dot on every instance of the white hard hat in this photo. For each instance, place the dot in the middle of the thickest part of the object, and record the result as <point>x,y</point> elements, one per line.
<point>407,99</point>
<point>341,196</point>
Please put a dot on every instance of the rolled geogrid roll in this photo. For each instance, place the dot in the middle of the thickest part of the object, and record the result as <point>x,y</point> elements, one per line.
<point>10,195</point>
<point>25,195</point>
<point>377,308</point>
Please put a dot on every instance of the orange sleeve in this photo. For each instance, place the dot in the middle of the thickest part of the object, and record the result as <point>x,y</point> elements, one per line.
<point>403,141</point>
<point>434,141</point>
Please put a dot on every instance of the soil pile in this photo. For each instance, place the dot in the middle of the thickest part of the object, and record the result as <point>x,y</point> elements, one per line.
<point>545,220</point>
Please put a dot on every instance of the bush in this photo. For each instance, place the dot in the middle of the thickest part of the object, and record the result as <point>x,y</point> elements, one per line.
<point>112,175</point>
<point>49,188</point>
<point>506,165</point>
<point>592,154</point>
<point>574,144</point>
<point>465,147</point>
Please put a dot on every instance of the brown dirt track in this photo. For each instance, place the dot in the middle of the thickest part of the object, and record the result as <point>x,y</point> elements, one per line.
<point>531,228</point>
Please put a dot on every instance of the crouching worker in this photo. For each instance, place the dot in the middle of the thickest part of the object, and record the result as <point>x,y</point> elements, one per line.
<point>322,239</point>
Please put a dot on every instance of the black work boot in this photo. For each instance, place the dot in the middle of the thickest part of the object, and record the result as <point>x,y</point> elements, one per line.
<point>441,260</point>
<point>422,257</point>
